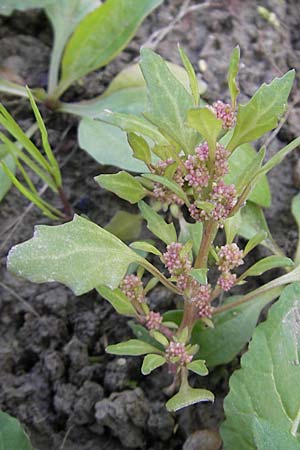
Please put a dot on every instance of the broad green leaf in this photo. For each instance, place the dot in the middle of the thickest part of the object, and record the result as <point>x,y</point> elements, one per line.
<point>193,82</point>
<point>118,300</point>
<point>130,100</point>
<point>240,161</point>
<point>168,115</point>
<point>125,226</point>
<point>296,214</point>
<point>254,241</point>
<point>152,362</point>
<point>143,335</point>
<point>133,347</point>
<point>262,112</point>
<point>145,246</point>
<point>200,275</point>
<point>188,396</point>
<point>12,435</point>
<point>205,121</point>
<point>64,16</point>
<point>114,24</point>
<point>232,330</point>
<point>267,385</point>
<point>232,225</point>
<point>132,76</point>
<point>269,437</point>
<point>198,366</point>
<point>253,221</point>
<point>79,254</point>
<point>135,124</point>
<point>97,138</point>
<point>232,73</point>
<point>245,179</point>
<point>156,224</point>
<point>171,185</point>
<point>7,6</point>
<point>159,337</point>
<point>124,185</point>
<point>191,231</point>
<point>140,147</point>
<point>5,181</point>
<point>268,263</point>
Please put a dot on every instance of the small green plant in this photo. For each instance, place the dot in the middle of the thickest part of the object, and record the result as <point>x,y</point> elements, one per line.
<point>203,173</point>
<point>12,435</point>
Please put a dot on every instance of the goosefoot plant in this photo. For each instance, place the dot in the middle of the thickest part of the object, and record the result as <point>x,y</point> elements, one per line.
<point>193,174</point>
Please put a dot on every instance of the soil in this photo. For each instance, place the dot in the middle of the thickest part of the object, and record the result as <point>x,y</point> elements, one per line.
<point>54,374</point>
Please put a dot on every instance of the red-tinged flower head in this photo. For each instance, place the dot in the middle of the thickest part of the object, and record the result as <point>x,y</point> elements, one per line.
<point>175,262</point>
<point>224,112</point>
<point>132,287</point>
<point>177,349</point>
<point>230,257</point>
<point>226,281</point>
<point>153,320</point>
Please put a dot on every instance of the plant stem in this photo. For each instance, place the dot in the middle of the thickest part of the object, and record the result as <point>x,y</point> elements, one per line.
<point>290,277</point>
<point>66,204</point>
<point>209,232</point>
<point>157,274</point>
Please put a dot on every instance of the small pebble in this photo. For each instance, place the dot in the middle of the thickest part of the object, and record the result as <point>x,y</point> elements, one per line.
<point>203,440</point>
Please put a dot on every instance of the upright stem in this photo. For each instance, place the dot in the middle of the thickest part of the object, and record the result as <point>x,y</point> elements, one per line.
<point>209,232</point>
<point>66,204</point>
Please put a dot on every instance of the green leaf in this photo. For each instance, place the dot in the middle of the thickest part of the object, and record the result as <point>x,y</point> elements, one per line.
<point>188,396</point>
<point>171,185</point>
<point>12,435</point>
<point>140,147</point>
<point>191,231</point>
<point>156,224</point>
<point>200,275</point>
<point>152,362</point>
<point>205,121</point>
<point>232,330</point>
<point>142,245</point>
<point>271,262</point>
<point>262,112</point>
<point>232,225</point>
<point>241,161</point>
<point>252,222</point>
<point>132,76</point>
<point>135,124</point>
<point>79,254</point>
<point>5,181</point>
<point>96,137</point>
<point>133,347</point>
<point>198,366</point>
<point>118,300</point>
<point>114,23</point>
<point>254,241</point>
<point>267,385</point>
<point>269,437</point>
<point>143,335</point>
<point>168,115</point>
<point>7,6</point>
<point>232,73</point>
<point>194,85</point>
<point>64,16</point>
<point>296,214</point>
<point>124,185</point>
<point>125,226</point>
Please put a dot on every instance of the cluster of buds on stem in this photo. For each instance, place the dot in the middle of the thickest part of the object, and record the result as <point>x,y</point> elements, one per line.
<point>179,266</point>
<point>230,257</point>
<point>160,192</point>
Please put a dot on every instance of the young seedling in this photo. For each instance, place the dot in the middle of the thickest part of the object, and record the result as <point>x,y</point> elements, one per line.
<point>202,170</point>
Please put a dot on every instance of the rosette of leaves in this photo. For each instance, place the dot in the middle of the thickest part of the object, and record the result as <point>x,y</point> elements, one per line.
<point>84,256</point>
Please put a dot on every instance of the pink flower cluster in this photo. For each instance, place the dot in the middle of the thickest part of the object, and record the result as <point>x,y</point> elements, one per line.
<point>223,198</point>
<point>175,262</point>
<point>132,287</point>
<point>221,161</point>
<point>230,257</point>
<point>153,320</point>
<point>224,112</point>
<point>197,172</point>
<point>160,192</point>
<point>177,350</point>
<point>200,297</point>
